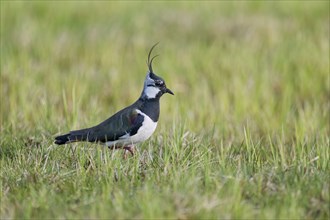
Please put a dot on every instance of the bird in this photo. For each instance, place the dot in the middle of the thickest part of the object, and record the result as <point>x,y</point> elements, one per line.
<point>131,125</point>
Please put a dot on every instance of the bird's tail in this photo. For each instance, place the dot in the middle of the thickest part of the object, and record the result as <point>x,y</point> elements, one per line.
<point>62,139</point>
<point>73,136</point>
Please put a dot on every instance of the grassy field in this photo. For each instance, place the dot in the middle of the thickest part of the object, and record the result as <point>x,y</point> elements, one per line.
<point>245,136</point>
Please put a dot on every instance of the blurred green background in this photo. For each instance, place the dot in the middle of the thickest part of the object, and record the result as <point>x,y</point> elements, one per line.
<point>241,71</point>
<point>226,61</point>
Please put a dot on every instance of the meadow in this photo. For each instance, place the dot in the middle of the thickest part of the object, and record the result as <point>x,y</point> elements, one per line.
<point>245,136</point>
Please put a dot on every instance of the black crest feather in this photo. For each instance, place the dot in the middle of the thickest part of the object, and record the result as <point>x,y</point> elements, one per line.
<point>149,61</point>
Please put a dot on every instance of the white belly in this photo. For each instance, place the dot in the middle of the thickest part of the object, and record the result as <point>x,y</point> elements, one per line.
<point>145,131</point>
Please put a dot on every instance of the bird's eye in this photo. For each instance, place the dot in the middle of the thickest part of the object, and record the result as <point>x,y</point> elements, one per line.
<point>159,83</point>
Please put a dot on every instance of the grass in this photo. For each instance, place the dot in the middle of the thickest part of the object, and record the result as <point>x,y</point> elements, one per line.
<point>245,136</point>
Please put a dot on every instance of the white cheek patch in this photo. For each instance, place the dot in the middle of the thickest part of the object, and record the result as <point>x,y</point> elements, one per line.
<point>151,92</point>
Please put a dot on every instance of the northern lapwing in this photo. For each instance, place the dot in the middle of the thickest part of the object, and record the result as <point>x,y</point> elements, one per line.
<point>131,125</point>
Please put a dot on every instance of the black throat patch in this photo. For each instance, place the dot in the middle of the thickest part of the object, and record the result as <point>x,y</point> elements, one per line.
<point>150,107</point>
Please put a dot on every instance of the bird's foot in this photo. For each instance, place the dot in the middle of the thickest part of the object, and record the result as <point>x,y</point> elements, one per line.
<point>129,149</point>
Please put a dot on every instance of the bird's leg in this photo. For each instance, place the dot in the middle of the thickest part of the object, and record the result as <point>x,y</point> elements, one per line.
<point>129,148</point>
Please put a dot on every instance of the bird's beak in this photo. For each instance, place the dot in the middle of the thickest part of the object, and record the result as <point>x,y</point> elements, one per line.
<point>169,91</point>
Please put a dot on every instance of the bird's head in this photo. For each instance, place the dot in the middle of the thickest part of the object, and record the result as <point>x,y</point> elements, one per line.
<point>154,86</point>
